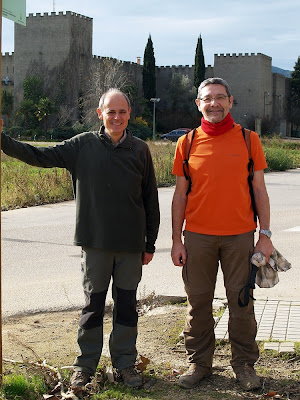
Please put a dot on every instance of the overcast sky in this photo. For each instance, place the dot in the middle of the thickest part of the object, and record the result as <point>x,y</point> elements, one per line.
<point>121,28</point>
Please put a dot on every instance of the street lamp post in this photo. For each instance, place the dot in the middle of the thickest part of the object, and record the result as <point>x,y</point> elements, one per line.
<point>154,100</point>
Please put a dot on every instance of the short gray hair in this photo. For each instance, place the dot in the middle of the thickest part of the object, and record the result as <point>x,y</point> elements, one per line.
<point>112,91</point>
<point>214,81</point>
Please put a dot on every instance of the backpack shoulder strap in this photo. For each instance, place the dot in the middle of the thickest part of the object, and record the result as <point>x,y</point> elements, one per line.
<point>246,135</point>
<point>187,149</point>
<point>188,143</point>
<point>247,138</point>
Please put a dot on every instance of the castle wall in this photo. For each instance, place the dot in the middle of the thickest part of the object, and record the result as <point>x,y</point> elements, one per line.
<point>280,104</point>
<point>107,72</point>
<point>133,71</point>
<point>7,70</point>
<point>58,47</point>
<point>135,74</point>
<point>163,79</point>
<point>164,75</point>
<point>209,72</point>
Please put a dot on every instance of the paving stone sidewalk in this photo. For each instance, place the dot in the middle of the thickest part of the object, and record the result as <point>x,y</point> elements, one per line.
<point>276,320</point>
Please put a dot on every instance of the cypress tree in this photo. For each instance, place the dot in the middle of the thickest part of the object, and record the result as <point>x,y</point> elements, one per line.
<point>149,79</point>
<point>199,71</point>
<point>295,84</point>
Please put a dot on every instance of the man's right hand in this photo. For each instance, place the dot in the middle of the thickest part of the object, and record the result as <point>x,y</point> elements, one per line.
<point>178,254</point>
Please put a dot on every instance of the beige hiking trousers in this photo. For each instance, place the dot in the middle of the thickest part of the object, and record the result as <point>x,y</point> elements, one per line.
<point>204,252</point>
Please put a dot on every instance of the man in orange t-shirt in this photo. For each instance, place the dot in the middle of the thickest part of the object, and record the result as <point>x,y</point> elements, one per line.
<point>219,227</point>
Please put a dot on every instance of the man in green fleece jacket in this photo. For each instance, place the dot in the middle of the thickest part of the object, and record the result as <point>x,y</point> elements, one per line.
<point>117,220</point>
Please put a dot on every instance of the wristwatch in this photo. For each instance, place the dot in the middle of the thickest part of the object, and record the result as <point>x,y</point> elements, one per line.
<point>266,232</point>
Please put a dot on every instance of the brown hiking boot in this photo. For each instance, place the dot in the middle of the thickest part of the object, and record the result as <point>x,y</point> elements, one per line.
<point>79,379</point>
<point>247,377</point>
<point>131,377</point>
<point>193,376</point>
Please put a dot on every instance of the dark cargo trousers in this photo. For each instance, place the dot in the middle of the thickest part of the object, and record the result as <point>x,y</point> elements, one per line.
<point>98,267</point>
<point>199,274</point>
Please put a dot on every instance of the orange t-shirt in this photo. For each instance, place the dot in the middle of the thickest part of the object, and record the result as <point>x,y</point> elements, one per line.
<point>219,202</point>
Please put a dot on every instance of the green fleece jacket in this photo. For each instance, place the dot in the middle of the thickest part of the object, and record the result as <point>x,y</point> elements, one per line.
<point>115,188</point>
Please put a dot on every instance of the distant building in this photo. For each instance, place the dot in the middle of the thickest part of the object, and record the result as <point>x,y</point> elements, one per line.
<point>59,48</point>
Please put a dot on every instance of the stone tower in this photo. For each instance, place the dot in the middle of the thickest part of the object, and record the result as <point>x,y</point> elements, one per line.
<point>250,79</point>
<point>57,47</point>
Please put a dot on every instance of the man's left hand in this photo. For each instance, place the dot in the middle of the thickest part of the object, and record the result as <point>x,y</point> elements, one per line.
<point>146,258</point>
<point>265,246</point>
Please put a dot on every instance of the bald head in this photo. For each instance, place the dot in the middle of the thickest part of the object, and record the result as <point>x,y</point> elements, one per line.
<point>114,111</point>
<point>112,91</point>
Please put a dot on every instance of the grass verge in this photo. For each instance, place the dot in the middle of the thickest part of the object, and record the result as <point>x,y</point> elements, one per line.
<point>159,329</point>
<point>33,382</point>
<point>24,185</point>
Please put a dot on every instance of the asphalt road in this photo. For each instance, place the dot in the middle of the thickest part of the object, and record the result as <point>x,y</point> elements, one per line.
<point>41,267</point>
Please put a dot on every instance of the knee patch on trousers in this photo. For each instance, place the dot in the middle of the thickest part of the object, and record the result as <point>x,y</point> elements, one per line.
<point>92,313</point>
<point>126,313</point>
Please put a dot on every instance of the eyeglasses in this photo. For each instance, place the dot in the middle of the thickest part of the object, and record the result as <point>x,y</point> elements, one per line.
<point>218,99</point>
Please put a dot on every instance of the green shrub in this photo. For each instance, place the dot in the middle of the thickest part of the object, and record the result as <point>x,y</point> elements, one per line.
<point>140,129</point>
<point>37,385</point>
<point>17,386</point>
<point>140,120</point>
<point>15,131</point>
<point>277,141</point>
<point>14,385</point>
<point>60,134</point>
<point>278,159</point>
<point>78,127</point>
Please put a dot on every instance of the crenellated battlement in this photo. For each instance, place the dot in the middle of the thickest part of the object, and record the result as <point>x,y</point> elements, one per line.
<point>129,62</point>
<point>242,55</point>
<point>102,58</point>
<point>180,67</point>
<point>170,70</point>
<point>59,14</point>
<point>7,69</point>
<point>7,54</point>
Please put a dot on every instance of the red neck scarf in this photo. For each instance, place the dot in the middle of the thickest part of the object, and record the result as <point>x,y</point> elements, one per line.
<point>218,128</point>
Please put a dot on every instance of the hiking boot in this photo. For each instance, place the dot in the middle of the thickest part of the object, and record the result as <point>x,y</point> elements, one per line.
<point>131,377</point>
<point>247,378</point>
<point>79,379</point>
<point>193,376</point>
